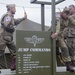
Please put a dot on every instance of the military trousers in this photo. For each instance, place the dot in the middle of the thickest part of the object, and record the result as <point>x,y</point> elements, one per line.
<point>71,47</point>
<point>7,41</point>
<point>64,49</point>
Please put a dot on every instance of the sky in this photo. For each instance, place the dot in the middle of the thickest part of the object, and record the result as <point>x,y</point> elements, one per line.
<point>33,10</point>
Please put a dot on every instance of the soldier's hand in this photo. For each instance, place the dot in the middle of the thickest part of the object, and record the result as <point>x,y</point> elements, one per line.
<point>25,15</point>
<point>54,35</point>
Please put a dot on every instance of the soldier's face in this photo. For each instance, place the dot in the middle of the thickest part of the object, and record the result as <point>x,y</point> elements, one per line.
<point>72,9</point>
<point>63,15</point>
<point>13,10</point>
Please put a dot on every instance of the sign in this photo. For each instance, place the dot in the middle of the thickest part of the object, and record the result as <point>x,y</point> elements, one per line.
<point>33,53</point>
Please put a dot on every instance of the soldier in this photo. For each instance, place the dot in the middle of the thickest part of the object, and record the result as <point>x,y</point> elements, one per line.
<point>70,33</point>
<point>61,24</point>
<point>6,37</point>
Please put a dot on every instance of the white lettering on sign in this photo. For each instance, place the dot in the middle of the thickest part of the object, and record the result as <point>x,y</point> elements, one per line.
<point>23,49</point>
<point>39,49</point>
<point>34,49</point>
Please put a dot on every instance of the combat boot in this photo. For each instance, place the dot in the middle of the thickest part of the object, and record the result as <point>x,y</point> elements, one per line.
<point>0,68</point>
<point>13,65</point>
<point>73,63</point>
<point>69,67</point>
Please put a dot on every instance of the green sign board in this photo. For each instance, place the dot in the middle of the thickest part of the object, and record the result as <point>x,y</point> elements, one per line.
<point>33,53</point>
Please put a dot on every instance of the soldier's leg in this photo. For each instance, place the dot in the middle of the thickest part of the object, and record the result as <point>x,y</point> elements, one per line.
<point>12,49</point>
<point>72,55</point>
<point>71,46</point>
<point>66,56</point>
<point>57,48</point>
<point>58,53</point>
<point>64,49</point>
<point>2,48</point>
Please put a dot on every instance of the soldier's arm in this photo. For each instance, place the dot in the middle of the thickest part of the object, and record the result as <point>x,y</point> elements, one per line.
<point>7,21</point>
<point>54,35</point>
<point>72,19</point>
<point>58,27</point>
<point>17,21</point>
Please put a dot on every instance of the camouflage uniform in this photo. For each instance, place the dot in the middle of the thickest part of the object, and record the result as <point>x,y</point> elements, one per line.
<point>63,24</point>
<point>66,48</point>
<point>70,36</point>
<point>6,36</point>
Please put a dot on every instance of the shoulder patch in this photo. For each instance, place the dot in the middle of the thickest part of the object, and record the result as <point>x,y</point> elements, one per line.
<point>8,18</point>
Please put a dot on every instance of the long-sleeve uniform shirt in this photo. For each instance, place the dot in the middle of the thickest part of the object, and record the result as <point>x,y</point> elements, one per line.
<point>6,37</point>
<point>61,24</point>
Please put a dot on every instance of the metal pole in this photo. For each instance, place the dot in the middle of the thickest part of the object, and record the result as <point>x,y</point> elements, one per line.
<point>42,18</point>
<point>53,15</point>
<point>53,40</point>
